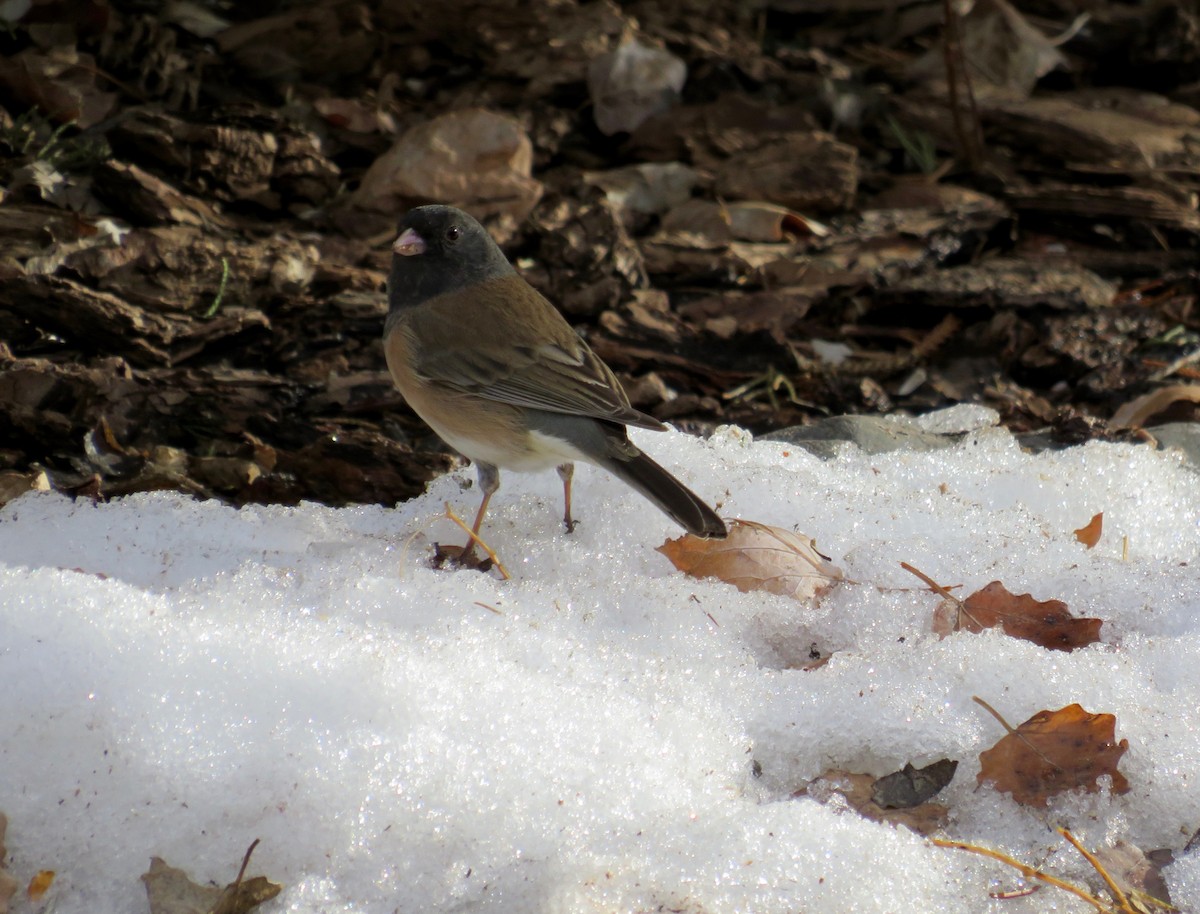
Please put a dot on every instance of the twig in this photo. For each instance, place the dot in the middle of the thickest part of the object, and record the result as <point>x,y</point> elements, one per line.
<point>1172,367</point>
<point>943,593</point>
<point>237,883</point>
<point>475,539</point>
<point>212,309</point>
<point>1113,888</point>
<point>1027,871</point>
<point>970,136</point>
<point>1015,732</point>
<point>933,585</point>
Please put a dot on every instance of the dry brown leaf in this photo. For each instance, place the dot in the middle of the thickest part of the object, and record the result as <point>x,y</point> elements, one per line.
<point>1136,873</point>
<point>1046,623</point>
<point>8,884</point>
<point>238,898</point>
<point>911,786</point>
<point>757,557</point>
<point>1055,751</point>
<point>804,171</point>
<point>1139,411</point>
<point>170,891</point>
<point>40,884</point>
<point>355,115</point>
<point>856,789</point>
<point>1089,533</point>
<point>61,82</point>
<point>754,220</point>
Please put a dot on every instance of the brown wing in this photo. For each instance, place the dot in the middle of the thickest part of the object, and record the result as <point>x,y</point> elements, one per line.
<point>534,360</point>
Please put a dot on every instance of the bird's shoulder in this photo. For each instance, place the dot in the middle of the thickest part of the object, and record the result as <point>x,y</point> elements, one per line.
<point>503,340</point>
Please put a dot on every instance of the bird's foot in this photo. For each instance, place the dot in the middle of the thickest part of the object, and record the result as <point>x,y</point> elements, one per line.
<point>461,557</point>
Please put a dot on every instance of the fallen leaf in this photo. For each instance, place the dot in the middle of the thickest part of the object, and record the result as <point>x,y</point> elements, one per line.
<point>911,786</point>
<point>757,557</point>
<point>856,789</point>
<point>1002,48</point>
<point>1046,623</point>
<point>8,884</point>
<point>61,82</point>
<point>40,884</point>
<point>1089,533</point>
<point>721,223</point>
<point>632,83</point>
<point>238,898</point>
<point>1141,903</point>
<point>1055,751</point>
<point>1138,412</point>
<point>14,484</point>
<point>193,17</point>
<point>355,115</point>
<point>757,221</point>
<point>1137,874</point>
<point>649,187</point>
<point>802,170</point>
<point>170,891</point>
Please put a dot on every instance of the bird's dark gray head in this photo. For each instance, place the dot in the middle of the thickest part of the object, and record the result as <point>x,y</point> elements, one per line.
<point>440,250</point>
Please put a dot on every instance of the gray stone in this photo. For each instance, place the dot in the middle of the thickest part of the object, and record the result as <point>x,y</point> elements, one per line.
<point>873,434</point>
<point>1183,435</point>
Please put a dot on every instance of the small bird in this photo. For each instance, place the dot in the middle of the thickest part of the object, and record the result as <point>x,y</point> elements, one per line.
<point>499,374</point>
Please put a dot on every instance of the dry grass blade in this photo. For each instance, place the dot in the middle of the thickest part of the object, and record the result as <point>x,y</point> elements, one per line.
<point>1027,871</point>
<point>1121,903</point>
<point>477,541</point>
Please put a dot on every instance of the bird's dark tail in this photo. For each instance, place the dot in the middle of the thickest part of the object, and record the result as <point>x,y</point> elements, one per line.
<point>675,499</point>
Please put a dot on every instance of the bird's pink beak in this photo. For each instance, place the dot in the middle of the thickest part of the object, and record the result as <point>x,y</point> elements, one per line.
<point>409,243</point>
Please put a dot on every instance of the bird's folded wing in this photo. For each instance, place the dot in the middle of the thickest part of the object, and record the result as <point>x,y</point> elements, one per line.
<point>519,367</point>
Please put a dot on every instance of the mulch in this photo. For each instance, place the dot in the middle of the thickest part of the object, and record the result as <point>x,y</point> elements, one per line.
<point>757,216</point>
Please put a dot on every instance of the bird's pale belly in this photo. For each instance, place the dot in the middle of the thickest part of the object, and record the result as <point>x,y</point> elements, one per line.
<point>535,452</point>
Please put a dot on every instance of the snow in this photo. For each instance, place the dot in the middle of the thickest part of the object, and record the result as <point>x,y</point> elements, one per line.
<point>178,678</point>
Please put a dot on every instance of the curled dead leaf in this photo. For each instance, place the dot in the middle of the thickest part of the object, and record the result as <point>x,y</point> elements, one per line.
<point>856,790</point>
<point>911,786</point>
<point>757,557</point>
<point>170,890</point>
<point>1046,623</point>
<point>756,221</point>
<point>1089,533</point>
<point>1138,412</point>
<point>40,884</point>
<point>751,220</point>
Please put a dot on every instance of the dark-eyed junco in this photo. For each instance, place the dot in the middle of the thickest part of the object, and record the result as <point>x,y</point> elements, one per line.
<point>499,374</point>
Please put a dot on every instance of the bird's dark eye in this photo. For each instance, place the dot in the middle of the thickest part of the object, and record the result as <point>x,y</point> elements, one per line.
<point>453,234</point>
